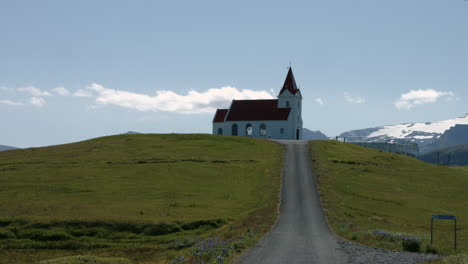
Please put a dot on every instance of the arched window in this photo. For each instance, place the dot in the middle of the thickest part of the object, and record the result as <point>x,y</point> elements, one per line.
<point>287,103</point>
<point>248,130</point>
<point>234,130</point>
<point>263,130</point>
<point>220,131</point>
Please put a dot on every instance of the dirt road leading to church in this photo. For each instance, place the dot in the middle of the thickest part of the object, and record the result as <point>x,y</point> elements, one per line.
<point>301,234</point>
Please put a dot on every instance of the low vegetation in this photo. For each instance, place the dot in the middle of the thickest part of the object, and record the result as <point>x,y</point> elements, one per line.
<point>386,200</point>
<point>143,198</point>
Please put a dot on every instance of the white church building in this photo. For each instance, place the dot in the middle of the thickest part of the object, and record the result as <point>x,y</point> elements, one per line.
<point>273,118</point>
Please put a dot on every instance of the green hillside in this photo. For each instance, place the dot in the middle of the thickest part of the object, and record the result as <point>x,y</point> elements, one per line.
<point>140,197</point>
<point>364,190</point>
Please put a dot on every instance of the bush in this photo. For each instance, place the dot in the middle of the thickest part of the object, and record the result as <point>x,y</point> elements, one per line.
<point>182,243</point>
<point>411,244</point>
<point>7,234</point>
<point>203,223</point>
<point>162,229</point>
<point>40,235</point>
<point>91,232</point>
<point>430,249</point>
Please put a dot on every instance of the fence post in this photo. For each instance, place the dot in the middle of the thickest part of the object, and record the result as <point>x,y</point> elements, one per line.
<point>432,222</point>
<point>455,234</point>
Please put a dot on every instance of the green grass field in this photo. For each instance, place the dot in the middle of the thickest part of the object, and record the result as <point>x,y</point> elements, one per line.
<point>134,196</point>
<point>363,190</point>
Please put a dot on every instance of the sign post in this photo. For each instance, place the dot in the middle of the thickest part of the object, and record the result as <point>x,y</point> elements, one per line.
<point>445,217</point>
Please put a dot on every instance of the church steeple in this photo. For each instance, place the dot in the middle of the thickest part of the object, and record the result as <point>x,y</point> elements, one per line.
<point>290,83</point>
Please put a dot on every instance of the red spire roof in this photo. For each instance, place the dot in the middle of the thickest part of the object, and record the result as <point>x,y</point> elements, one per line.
<point>290,83</point>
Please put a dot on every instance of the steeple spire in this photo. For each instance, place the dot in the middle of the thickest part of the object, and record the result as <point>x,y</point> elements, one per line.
<point>290,83</point>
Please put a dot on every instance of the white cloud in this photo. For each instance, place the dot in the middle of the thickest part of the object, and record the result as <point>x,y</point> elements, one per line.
<point>416,97</point>
<point>9,102</point>
<point>4,88</point>
<point>37,101</point>
<point>354,99</point>
<point>192,103</point>
<point>83,93</point>
<point>61,91</point>
<point>319,101</point>
<point>34,91</point>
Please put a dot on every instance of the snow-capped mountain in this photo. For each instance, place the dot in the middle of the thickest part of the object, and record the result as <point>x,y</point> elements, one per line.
<point>421,133</point>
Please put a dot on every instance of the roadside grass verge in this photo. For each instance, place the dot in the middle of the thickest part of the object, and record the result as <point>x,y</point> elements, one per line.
<point>386,200</point>
<point>147,198</point>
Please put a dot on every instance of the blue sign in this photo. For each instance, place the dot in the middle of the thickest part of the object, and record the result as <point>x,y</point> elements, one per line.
<point>444,217</point>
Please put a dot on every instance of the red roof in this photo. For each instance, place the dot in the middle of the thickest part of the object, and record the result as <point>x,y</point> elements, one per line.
<point>220,115</point>
<point>290,83</point>
<point>254,110</point>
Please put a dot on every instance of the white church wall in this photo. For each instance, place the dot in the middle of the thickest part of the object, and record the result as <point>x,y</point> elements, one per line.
<point>273,129</point>
<point>217,126</point>
<point>295,118</point>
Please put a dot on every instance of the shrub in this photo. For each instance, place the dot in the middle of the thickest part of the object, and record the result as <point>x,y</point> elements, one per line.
<point>91,232</point>
<point>202,223</point>
<point>182,243</point>
<point>162,229</point>
<point>411,244</point>
<point>40,235</point>
<point>7,234</point>
<point>4,223</point>
<point>430,249</point>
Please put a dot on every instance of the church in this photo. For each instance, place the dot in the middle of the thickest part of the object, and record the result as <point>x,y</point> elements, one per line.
<point>273,118</point>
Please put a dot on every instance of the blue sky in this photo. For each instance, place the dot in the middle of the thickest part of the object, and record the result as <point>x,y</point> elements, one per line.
<point>73,70</point>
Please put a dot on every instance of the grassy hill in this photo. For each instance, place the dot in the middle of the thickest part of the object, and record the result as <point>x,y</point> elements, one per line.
<point>140,197</point>
<point>372,196</point>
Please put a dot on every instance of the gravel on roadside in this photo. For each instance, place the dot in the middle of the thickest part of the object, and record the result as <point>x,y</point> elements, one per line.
<point>359,254</point>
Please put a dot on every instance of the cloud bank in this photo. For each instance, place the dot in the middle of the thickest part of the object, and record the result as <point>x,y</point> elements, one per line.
<point>192,103</point>
<point>37,101</point>
<point>61,91</point>
<point>417,97</point>
<point>34,91</point>
<point>354,99</point>
<point>9,102</point>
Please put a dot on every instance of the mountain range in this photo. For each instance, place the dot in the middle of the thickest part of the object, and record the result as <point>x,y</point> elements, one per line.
<point>3,148</point>
<point>428,135</point>
<point>313,135</point>
<point>456,155</point>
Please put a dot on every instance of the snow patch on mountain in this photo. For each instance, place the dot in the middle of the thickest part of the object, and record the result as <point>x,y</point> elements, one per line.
<point>421,133</point>
<point>406,130</point>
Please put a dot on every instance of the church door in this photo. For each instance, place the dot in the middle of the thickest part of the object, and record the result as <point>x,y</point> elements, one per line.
<point>297,134</point>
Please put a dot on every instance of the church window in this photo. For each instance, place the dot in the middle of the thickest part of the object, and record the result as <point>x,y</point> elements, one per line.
<point>263,130</point>
<point>248,130</point>
<point>282,130</point>
<point>220,131</point>
<point>287,103</point>
<point>234,130</point>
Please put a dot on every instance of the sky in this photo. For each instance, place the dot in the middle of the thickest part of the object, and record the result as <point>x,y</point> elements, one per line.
<point>75,70</point>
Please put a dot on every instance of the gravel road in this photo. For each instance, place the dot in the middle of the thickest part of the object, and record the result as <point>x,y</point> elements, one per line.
<point>301,234</point>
